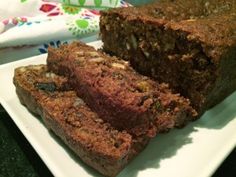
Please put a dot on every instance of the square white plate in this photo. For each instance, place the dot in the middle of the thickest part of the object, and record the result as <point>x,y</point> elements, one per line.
<point>196,150</point>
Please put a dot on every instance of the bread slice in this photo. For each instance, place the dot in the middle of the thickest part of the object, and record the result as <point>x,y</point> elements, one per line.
<point>97,143</point>
<point>120,96</point>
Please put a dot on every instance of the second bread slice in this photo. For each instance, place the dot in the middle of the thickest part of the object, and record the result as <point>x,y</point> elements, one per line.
<point>122,97</point>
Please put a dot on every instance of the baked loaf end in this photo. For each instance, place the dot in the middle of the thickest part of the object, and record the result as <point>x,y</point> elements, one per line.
<point>189,44</point>
<point>97,143</point>
<point>122,97</point>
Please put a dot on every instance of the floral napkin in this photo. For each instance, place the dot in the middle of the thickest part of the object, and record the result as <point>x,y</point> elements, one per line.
<point>28,27</point>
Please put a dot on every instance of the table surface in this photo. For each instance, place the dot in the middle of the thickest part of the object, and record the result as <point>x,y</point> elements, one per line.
<point>19,159</point>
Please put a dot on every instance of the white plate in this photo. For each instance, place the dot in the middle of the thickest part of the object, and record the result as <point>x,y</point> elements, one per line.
<point>196,150</point>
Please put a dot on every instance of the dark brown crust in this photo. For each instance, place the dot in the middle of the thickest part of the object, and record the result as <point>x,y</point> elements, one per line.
<point>117,93</point>
<point>95,142</point>
<point>189,44</point>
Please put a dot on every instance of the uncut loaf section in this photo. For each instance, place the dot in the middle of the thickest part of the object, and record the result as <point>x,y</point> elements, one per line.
<point>97,143</point>
<point>189,44</point>
<point>119,95</point>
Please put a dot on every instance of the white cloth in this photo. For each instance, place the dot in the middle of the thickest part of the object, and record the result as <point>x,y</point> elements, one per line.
<point>32,25</point>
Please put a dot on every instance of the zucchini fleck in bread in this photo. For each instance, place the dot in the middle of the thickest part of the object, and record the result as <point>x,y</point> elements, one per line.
<point>189,44</point>
<point>120,96</point>
<point>97,143</point>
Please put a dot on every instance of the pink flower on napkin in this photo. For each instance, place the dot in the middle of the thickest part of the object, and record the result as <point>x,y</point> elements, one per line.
<point>51,9</point>
<point>47,7</point>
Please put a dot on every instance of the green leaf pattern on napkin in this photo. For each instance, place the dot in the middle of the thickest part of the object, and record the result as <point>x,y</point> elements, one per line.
<point>81,2</point>
<point>98,3</point>
<point>66,1</point>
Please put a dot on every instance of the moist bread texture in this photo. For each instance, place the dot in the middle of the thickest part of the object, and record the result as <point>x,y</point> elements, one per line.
<point>189,44</point>
<point>96,142</point>
<point>119,95</point>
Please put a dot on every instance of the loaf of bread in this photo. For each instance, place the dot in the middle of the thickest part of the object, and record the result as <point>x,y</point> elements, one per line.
<point>119,95</point>
<point>96,142</point>
<point>189,44</point>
